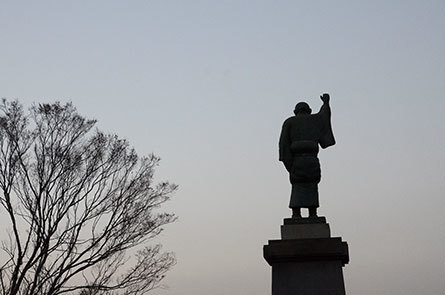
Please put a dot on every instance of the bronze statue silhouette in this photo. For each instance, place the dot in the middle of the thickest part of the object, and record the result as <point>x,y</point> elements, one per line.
<point>298,147</point>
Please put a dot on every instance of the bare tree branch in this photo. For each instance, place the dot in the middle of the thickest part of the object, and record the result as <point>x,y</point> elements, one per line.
<point>80,203</point>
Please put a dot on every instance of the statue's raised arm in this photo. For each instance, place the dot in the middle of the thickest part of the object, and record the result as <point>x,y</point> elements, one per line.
<point>326,135</point>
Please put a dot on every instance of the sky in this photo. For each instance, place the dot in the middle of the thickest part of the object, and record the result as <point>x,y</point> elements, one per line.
<point>206,85</point>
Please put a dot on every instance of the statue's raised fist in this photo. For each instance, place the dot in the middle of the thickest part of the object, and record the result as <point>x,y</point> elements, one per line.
<point>325,97</point>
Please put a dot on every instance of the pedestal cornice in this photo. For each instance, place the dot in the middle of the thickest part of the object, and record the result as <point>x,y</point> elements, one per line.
<point>306,250</point>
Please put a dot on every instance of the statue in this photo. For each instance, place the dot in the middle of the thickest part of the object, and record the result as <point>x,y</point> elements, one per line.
<point>298,147</point>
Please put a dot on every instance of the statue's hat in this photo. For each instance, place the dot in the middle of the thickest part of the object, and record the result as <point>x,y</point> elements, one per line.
<point>302,106</point>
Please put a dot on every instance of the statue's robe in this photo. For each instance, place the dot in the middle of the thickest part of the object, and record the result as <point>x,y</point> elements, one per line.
<point>298,148</point>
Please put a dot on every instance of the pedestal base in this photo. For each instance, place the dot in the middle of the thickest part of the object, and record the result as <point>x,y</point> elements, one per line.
<point>307,261</point>
<point>314,278</point>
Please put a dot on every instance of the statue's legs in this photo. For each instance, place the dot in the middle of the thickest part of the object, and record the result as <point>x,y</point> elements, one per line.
<point>296,212</point>
<point>312,211</point>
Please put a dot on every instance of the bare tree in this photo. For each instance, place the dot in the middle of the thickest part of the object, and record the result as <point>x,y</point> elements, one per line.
<point>81,205</point>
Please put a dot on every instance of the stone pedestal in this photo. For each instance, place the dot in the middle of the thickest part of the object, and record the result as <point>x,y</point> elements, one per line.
<point>307,260</point>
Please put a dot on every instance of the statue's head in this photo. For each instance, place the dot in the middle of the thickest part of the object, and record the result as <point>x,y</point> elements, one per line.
<point>302,108</point>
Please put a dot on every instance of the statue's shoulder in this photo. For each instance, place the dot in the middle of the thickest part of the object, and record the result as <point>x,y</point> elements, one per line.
<point>289,120</point>
<point>288,123</point>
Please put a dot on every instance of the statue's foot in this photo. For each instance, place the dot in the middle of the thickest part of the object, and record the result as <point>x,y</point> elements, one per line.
<point>313,212</point>
<point>296,213</point>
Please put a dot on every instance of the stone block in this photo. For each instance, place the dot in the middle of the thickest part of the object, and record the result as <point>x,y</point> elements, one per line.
<point>306,250</point>
<point>308,278</point>
<point>307,266</point>
<point>305,220</point>
<point>305,231</point>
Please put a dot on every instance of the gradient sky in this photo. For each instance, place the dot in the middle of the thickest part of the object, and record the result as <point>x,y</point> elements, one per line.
<point>206,86</point>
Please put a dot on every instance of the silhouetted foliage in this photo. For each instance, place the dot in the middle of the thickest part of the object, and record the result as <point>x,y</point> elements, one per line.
<point>81,206</point>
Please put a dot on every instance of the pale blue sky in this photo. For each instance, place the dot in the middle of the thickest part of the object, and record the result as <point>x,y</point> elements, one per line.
<point>206,85</point>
